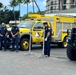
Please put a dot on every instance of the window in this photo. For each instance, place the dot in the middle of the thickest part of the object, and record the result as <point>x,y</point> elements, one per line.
<point>51,8</point>
<point>51,2</point>
<point>39,25</point>
<point>26,24</point>
<point>64,1</point>
<point>64,7</point>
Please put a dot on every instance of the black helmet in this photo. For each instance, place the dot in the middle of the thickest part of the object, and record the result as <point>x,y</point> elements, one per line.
<point>45,23</point>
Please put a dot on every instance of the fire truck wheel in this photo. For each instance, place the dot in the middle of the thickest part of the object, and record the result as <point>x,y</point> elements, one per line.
<point>41,45</point>
<point>65,43</point>
<point>24,44</point>
<point>71,53</point>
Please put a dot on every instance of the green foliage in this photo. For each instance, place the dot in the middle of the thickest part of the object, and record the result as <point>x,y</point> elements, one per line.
<point>13,3</point>
<point>19,1</point>
<point>26,1</point>
<point>8,15</point>
<point>1,5</point>
<point>25,16</point>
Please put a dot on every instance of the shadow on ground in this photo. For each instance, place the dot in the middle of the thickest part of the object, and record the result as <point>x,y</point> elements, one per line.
<point>36,47</point>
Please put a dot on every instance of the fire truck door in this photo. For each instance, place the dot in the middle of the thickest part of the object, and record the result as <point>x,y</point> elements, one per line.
<point>37,32</point>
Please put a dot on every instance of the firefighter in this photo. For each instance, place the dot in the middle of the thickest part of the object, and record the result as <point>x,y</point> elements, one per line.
<point>3,36</point>
<point>15,37</point>
<point>47,40</point>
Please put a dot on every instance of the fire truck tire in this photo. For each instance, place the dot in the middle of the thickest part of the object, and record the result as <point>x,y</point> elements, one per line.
<point>71,54</point>
<point>24,44</point>
<point>60,45</point>
<point>41,45</point>
<point>65,43</point>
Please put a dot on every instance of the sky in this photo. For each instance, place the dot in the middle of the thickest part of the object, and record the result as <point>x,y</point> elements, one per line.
<point>41,4</point>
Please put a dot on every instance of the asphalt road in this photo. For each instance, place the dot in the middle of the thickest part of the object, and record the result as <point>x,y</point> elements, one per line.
<point>12,63</point>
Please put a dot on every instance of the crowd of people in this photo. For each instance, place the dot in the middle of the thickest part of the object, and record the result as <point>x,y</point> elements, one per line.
<point>3,37</point>
<point>15,38</point>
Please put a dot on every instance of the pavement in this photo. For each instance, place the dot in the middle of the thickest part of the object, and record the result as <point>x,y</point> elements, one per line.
<point>22,63</point>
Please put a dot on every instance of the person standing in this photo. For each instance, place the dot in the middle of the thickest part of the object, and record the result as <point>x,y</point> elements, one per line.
<point>15,37</point>
<point>3,36</point>
<point>47,40</point>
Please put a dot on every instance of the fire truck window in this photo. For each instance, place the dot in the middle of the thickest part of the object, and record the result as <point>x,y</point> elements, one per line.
<point>39,26</point>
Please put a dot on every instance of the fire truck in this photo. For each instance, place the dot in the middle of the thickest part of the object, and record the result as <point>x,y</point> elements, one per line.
<point>59,24</point>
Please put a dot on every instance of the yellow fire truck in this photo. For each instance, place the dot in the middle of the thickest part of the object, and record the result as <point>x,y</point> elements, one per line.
<point>59,24</point>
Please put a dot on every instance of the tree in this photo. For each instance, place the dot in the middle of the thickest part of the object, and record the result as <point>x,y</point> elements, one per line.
<point>13,4</point>
<point>1,5</point>
<point>25,16</point>
<point>33,6</point>
<point>7,16</point>
<point>19,2</point>
<point>26,2</point>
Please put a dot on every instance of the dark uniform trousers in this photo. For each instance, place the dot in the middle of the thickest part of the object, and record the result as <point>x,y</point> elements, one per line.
<point>3,42</point>
<point>47,47</point>
<point>47,43</point>
<point>15,42</point>
<point>3,31</point>
<point>15,39</point>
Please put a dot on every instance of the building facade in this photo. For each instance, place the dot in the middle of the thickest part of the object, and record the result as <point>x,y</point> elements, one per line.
<point>56,5</point>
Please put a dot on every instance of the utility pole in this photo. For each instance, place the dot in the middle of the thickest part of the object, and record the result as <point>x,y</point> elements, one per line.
<point>37,6</point>
<point>5,14</point>
<point>33,6</point>
<point>19,13</point>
